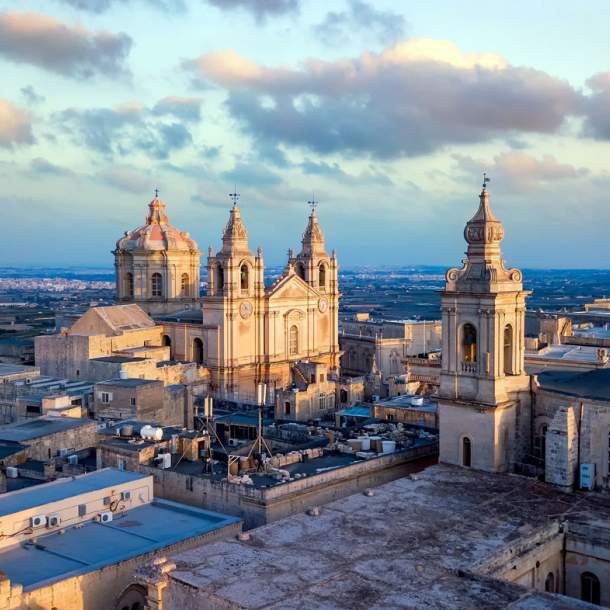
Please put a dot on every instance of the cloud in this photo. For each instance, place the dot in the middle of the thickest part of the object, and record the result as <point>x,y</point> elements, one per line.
<point>125,178</point>
<point>31,95</point>
<point>260,9</point>
<point>124,129</point>
<point>516,171</point>
<point>185,108</point>
<point>43,41</point>
<point>15,125</point>
<point>411,99</point>
<point>100,6</point>
<point>383,26</point>
<point>39,165</point>
<point>597,109</point>
<point>251,174</point>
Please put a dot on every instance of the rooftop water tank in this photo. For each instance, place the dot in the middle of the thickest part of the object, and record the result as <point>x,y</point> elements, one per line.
<point>150,433</point>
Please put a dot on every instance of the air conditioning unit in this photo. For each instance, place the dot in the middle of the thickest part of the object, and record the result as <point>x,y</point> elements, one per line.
<point>233,442</point>
<point>73,459</point>
<point>105,517</point>
<point>53,520</point>
<point>38,521</point>
<point>126,495</point>
<point>12,472</point>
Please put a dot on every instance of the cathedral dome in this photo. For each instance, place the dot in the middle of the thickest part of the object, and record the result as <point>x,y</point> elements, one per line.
<point>157,234</point>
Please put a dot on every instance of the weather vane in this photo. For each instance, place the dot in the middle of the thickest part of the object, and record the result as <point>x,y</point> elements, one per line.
<point>313,203</point>
<point>156,193</point>
<point>486,179</point>
<point>234,195</point>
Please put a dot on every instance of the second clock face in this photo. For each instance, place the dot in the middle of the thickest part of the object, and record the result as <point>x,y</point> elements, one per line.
<point>322,305</point>
<point>245,309</point>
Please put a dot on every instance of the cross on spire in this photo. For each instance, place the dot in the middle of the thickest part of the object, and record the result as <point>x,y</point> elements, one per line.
<point>234,196</point>
<point>486,179</point>
<point>313,204</point>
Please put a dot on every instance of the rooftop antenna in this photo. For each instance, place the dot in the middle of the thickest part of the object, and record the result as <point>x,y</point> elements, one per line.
<point>234,195</point>
<point>260,442</point>
<point>486,179</point>
<point>313,204</point>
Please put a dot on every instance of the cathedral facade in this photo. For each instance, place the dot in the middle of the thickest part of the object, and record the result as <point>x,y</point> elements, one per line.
<point>243,331</point>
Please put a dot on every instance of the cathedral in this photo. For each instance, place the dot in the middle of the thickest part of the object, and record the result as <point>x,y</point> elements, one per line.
<point>243,331</point>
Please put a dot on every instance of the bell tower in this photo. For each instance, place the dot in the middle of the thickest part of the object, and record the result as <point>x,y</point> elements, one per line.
<point>234,305</point>
<point>484,397</point>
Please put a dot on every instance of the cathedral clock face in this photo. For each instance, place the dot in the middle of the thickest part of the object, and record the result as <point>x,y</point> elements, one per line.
<point>322,305</point>
<point>245,309</point>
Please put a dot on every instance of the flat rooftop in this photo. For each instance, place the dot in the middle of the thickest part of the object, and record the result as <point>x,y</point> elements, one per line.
<point>405,401</point>
<point>41,426</point>
<point>64,488</point>
<point>118,359</point>
<point>575,353</point>
<point>416,543</point>
<point>14,369</point>
<point>95,545</point>
<point>589,384</point>
<point>132,382</point>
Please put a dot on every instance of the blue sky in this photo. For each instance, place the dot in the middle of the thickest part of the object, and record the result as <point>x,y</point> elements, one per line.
<point>388,111</point>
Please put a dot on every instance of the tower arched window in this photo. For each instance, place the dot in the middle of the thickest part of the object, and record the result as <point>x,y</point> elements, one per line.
<point>220,279</point>
<point>300,269</point>
<point>157,285</point>
<point>184,285</point>
<point>590,590</point>
<point>469,343</point>
<point>129,284</point>
<point>466,452</point>
<point>508,350</point>
<point>293,341</point>
<point>322,276</point>
<point>244,277</point>
<point>198,350</point>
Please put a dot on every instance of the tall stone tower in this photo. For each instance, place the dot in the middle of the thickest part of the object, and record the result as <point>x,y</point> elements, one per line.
<point>313,265</point>
<point>484,397</point>
<point>157,266</point>
<point>234,305</point>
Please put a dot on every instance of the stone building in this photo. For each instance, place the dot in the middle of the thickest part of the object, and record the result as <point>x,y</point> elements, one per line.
<point>157,266</point>
<point>250,333</point>
<point>484,396</point>
<point>77,542</point>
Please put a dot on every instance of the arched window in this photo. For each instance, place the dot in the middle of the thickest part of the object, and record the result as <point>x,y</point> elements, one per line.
<point>300,269</point>
<point>469,343</point>
<point>508,350</point>
<point>129,285</point>
<point>322,276</point>
<point>157,285</point>
<point>293,341</point>
<point>466,452</point>
<point>243,276</point>
<point>220,279</point>
<point>198,350</point>
<point>184,285</point>
<point>549,583</point>
<point>589,588</point>
<point>540,443</point>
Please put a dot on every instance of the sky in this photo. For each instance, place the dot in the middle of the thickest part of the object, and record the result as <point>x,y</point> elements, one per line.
<point>385,112</point>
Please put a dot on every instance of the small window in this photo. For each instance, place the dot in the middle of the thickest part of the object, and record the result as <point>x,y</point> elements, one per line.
<point>157,285</point>
<point>293,343</point>
<point>129,284</point>
<point>82,510</point>
<point>313,378</point>
<point>132,401</point>
<point>466,452</point>
<point>106,397</point>
<point>189,483</point>
<point>590,590</point>
<point>286,408</point>
<point>184,285</point>
<point>322,276</point>
<point>120,463</point>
